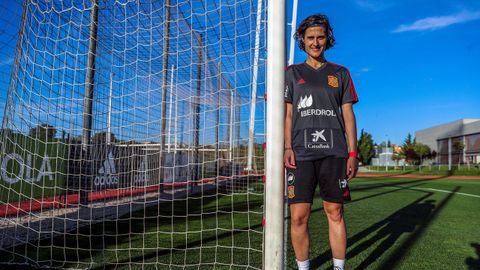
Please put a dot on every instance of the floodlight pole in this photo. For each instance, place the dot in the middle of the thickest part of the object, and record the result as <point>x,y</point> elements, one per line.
<point>176,114</point>
<point>251,129</point>
<point>196,106</point>
<point>87,104</point>
<point>166,47</point>
<point>449,153</point>
<point>170,110</point>
<point>274,170</point>
<point>109,120</point>
<point>230,123</point>
<point>89,81</point>
<point>217,130</point>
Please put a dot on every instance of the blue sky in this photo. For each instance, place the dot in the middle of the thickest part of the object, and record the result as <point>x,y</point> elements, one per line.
<point>415,63</point>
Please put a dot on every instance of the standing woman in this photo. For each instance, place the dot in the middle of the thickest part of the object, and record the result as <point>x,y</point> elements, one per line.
<point>320,139</point>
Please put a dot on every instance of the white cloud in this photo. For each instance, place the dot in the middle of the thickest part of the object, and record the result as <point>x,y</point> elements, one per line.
<point>434,23</point>
<point>373,5</point>
<point>363,71</point>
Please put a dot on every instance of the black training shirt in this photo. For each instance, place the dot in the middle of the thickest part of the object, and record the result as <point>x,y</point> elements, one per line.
<point>318,129</point>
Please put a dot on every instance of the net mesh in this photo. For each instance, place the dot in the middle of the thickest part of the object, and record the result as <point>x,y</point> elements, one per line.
<point>125,138</point>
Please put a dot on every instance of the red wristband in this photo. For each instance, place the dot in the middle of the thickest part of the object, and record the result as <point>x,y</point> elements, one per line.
<point>353,154</point>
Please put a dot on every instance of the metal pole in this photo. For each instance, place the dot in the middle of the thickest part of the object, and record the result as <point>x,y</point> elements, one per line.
<point>217,130</point>
<point>176,115</point>
<point>89,81</point>
<point>166,45</point>
<point>109,120</point>
<point>386,154</point>
<point>293,25</point>
<point>251,129</point>
<point>196,105</point>
<point>230,123</point>
<point>12,86</point>
<point>87,106</point>
<point>274,171</point>
<point>170,109</point>
<point>450,153</point>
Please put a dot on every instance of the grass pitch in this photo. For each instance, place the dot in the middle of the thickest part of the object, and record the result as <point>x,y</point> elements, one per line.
<point>392,224</point>
<point>405,224</point>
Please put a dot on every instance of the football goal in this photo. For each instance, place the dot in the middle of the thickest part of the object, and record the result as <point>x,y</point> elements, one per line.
<point>138,134</point>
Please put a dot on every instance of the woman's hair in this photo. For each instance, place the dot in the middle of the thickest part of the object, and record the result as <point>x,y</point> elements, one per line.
<point>313,21</point>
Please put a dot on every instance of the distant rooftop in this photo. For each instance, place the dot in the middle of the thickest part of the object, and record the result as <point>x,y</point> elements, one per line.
<point>464,121</point>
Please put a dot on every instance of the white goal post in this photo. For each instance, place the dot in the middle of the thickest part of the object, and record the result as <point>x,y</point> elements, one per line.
<point>274,171</point>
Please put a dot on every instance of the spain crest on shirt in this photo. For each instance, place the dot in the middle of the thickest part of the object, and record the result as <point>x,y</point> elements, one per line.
<point>291,192</point>
<point>333,81</point>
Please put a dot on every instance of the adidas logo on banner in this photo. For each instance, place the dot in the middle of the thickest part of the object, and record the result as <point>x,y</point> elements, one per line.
<point>107,173</point>
<point>141,176</point>
<point>305,102</point>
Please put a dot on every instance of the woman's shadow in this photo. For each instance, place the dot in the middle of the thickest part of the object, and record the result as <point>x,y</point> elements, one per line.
<point>472,263</point>
<point>389,230</point>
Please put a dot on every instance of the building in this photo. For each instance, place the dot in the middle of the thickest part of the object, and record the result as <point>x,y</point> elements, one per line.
<point>384,156</point>
<point>457,142</point>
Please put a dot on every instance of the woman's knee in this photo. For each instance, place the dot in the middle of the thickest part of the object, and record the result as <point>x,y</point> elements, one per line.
<point>299,214</point>
<point>299,220</point>
<point>334,212</point>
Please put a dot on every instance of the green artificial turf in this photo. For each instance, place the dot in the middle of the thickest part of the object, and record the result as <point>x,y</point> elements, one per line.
<point>458,170</point>
<point>392,224</point>
<point>404,224</point>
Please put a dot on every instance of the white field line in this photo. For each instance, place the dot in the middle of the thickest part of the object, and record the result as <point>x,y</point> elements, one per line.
<point>448,191</point>
<point>438,190</point>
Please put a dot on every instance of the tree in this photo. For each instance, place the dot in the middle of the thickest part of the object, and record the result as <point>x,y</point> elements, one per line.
<point>408,150</point>
<point>409,142</point>
<point>414,152</point>
<point>397,157</point>
<point>43,132</point>
<point>422,151</point>
<point>366,148</point>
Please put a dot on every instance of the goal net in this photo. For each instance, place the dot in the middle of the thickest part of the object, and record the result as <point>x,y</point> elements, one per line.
<point>132,134</point>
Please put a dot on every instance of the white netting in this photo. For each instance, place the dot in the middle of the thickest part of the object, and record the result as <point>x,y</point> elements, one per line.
<point>125,139</point>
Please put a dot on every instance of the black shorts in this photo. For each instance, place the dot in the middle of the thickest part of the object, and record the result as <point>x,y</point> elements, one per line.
<point>329,173</point>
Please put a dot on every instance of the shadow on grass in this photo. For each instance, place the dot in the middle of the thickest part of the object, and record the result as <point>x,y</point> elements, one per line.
<point>412,219</point>
<point>472,263</point>
<point>178,248</point>
<point>390,230</point>
<point>326,256</point>
<point>397,187</point>
<point>392,261</point>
